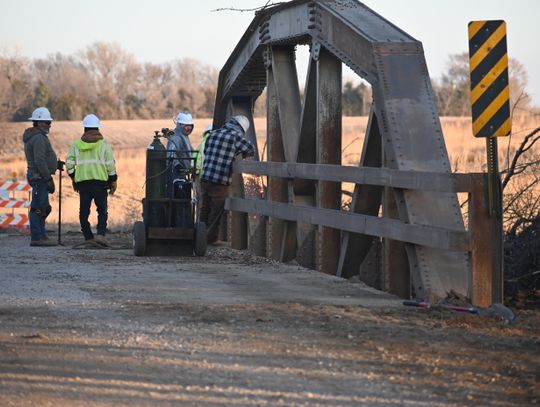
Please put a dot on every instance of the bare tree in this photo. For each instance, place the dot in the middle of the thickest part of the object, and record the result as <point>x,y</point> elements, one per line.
<point>452,90</point>
<point>115,75</point>
<point>70,88</point>
<point>15,84</point>
<point>195,85</point>
<point>520,183</point>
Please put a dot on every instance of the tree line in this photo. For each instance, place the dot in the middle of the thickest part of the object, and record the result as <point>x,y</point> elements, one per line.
<point>106,80</point>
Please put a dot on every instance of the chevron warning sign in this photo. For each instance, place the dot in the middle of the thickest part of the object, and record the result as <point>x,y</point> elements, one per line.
<point>13,221</point>
<point>490,92</point>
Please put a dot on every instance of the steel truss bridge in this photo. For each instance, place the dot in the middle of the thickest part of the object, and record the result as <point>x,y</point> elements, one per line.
<point>405,194</point>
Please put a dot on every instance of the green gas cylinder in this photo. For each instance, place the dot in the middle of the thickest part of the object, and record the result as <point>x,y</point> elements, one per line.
<point>156,174</point>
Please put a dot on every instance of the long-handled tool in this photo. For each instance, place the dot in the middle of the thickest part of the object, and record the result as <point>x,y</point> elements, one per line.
<point>61,169</point>
<point>457,308</point>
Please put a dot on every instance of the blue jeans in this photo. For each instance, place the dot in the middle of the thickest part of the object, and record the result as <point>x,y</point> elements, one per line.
<point>98,194</point>
<point>39,208</point>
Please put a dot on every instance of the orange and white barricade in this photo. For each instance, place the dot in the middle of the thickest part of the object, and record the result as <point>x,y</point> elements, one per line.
<point>14,186</point>
<point>15,220</point>
<point>8,201</point>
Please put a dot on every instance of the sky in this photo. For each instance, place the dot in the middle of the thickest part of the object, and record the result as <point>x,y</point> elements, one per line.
<point>159,31</point>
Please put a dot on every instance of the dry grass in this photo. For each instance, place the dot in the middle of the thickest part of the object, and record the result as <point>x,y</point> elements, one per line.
<point>129,140</point>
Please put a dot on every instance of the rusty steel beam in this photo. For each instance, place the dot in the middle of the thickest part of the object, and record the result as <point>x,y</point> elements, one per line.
<point>328,152</point>
<point>288,98</point>
<point>289,106</point>
<point>277,187</point>
<point>302,191</point>
<point>398,257</point>
<point>413,141</point>
<point>366,200</point>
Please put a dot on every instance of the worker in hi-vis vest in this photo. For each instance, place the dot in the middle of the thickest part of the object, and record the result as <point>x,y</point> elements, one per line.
<point>91,166</point>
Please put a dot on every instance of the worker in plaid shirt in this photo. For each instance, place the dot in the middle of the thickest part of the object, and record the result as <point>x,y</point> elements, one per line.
<point>219,152</point>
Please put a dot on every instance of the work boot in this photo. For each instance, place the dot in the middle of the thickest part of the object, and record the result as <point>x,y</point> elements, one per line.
<point>100,239</point>
<point>43,242</point>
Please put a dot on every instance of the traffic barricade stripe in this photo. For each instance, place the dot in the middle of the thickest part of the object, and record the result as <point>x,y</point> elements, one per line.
<point>15,186</point>
<point>15,220</point>
<point>14,203</point>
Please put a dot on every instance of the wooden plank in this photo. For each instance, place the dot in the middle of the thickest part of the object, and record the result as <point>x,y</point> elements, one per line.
<point>370,225</point>
<point>416,180</point>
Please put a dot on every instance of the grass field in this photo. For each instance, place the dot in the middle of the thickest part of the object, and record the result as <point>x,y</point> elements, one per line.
<point>129,140</point>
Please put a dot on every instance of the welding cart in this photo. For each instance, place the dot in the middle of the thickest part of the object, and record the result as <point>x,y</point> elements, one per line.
<point>170,226</point>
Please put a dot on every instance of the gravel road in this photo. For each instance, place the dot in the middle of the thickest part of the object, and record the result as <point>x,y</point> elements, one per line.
<point>104,328</point>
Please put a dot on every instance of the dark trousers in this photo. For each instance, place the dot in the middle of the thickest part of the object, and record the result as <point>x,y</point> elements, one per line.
<point>213,203</point>
<point>98,194</point>
<point>39,209</point>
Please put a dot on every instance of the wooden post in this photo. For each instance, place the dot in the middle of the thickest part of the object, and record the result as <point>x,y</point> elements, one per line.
<point>486,246</point>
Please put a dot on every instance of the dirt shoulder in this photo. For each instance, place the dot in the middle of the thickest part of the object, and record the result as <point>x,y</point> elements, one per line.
<point>102,327</point>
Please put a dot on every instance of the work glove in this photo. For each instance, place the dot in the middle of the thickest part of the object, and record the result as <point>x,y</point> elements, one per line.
<point>60,165</point>
<point>49,184</point>
<point>112,189</point>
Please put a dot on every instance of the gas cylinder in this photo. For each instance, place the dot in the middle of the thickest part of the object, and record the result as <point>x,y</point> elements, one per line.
<point>156,174</point>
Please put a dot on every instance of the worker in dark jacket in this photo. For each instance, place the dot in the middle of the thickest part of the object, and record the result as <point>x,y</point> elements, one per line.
<point>42,164</point>
<point>220,149</point>
<point>179,149</point>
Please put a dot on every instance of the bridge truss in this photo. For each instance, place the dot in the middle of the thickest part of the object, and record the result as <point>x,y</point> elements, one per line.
<point>403,140</point>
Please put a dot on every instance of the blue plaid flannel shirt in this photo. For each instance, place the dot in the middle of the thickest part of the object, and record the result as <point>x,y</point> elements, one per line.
<point>219,152</point>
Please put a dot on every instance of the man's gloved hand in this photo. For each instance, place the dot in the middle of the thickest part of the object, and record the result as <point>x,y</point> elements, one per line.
<point>49,184</point>
<point>112,190</point>
<point>60,165</point>
<point>75,187</point>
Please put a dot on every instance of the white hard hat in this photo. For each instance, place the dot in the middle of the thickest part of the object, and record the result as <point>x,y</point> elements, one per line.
<point>41,114</point>
<point>208,128</point>
<point>184,118</point>
<point>91,120</point>
<point>243,121</point>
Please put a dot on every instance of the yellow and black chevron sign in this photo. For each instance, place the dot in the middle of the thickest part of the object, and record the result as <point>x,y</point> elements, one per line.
<point>490,92</point>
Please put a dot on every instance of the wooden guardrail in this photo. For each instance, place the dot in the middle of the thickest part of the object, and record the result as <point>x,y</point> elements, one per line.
<point>482,239</point>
